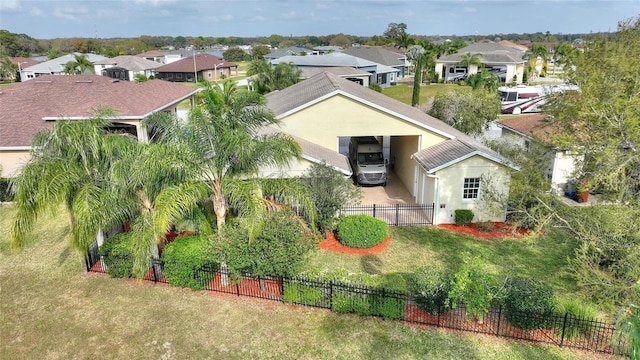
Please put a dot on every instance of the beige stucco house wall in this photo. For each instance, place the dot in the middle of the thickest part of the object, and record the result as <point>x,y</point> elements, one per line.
<point>11,160</point>
<point>492,175</point>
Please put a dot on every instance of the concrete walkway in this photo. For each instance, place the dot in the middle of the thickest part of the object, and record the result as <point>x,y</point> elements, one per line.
<point>393,193</point>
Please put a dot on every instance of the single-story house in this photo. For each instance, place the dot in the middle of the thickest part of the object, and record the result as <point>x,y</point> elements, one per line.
<point>381,56</point>
<point>288,51</point>
<point>126,67</point>
<point>507,61</point>
<point>379,74</point>
<point>54,66</point>
<point>153,55</point>
<point>358,76</point>
<point>534,130</point>
<point>206,66</point>
<point>29,107</point>
<point>438,164</point>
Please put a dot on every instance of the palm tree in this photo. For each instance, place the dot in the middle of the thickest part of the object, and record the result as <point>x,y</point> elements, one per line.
<point>536,52</point>
<point>404,40</point>
<point>70,165</point>
<point>223,150</point>
<point>79,65</point>
<point>468,59</point>
<point>269,78</point>
<point>8,69</point>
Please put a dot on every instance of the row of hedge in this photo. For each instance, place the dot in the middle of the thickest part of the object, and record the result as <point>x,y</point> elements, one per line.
<point>364,294</point>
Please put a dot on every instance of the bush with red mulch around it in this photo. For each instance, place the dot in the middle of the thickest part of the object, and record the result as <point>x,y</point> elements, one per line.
<point>498,230</point>
<point>331,243</point>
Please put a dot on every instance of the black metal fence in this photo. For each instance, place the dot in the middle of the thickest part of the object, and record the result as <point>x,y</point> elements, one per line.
<point>395,214</point>
<point>561,330</point>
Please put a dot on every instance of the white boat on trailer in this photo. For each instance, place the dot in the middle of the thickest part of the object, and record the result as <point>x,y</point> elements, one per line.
<point>529,98</point>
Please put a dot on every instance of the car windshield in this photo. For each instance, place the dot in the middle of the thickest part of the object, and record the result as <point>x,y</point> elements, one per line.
<point>370,158</point>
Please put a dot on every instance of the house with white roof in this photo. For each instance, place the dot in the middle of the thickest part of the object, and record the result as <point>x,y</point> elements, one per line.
<point>55,66</point>
<point>126,67</point>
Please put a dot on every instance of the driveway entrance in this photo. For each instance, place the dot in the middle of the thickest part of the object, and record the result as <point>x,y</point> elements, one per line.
<point>393,193</point>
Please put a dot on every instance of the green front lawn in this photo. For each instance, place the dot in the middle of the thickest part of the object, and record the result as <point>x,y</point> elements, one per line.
<point>542,258</point>
<point>50,308</point>
<point>404,93</point>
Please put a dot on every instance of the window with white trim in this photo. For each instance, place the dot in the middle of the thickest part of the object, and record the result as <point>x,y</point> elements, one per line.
<point>471,188</point>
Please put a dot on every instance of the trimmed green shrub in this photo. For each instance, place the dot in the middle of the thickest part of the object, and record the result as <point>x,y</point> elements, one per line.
<point>579,318</point>
<point>431,286</point>
<point>189,262</point>
<point>364,294</point>
<point>117,254</point>
<point>278,250</point>
<point>528,304</point>
<point>463,217</point>
<point>375,87</point>
<point>305,294</point>
<point>472,285</point>
<point>362,231</point>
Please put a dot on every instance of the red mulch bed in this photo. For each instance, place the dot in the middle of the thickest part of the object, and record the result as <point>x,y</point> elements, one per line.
<point>500,230</point>
<point>331,243</point>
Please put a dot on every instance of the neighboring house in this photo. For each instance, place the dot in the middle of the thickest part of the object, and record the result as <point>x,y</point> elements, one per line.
<point>381,56</point>
<point>379,74</point>
<point>292,50</point>
<point>153,55</point>
<point>206,66</point>
<point>177,55</point>
<point>29,107</point>
<point>323,50</point>
<point>534,130</point>
<point>437,164</point>
<point>505,60</point>
<point>358,76</point>
<point>54,67</point>
<point>126,67</point>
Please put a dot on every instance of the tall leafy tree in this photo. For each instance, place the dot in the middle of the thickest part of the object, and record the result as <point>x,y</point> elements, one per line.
<point>602,120</point>
<point>415,54</point>
<point>468,111</point>
<point>536,53</point>
<point>467,59</point>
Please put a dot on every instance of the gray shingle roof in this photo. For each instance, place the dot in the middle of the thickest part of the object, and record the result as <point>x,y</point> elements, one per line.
<point>130,62</point>
<point>292,50</point>
<point>57,65</point>
<point>317,153</point>
<point>325,84</point>
<point>376,54</point>
<point>488,53</point>
<point>339,70</point>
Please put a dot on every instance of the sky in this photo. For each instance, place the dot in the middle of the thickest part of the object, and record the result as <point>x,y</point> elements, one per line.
<point>47,19</point>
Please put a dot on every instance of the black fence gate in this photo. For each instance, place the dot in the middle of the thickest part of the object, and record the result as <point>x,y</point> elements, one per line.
<point>395,214</point>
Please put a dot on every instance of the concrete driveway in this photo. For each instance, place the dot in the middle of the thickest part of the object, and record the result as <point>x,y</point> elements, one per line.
<point>393,193</point>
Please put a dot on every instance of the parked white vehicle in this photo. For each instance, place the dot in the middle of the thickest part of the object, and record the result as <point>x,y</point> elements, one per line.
<point>528,99</point>
<point>367,161</point>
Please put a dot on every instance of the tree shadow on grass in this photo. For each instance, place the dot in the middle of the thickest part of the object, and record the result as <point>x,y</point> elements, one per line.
<point>370,264</point>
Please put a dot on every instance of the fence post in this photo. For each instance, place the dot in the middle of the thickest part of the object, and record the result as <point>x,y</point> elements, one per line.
<point>499,316</point>
<point>374,210</point>
<point>282,288</point>
<point>439,312</point>
<point>433,211</point>
<point>331,286</point>
<point>397,213</point>
<point>564,325</point>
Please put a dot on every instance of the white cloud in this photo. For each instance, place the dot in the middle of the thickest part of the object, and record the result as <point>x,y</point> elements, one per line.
<point>70,13</point>
<point>9,4</point>
<point>289,15</point>
<point>154,3</point>
<point>35,11</point>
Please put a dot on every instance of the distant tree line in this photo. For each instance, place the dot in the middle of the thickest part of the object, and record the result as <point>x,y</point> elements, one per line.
<point>12,44</point>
